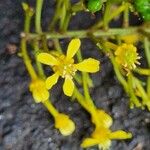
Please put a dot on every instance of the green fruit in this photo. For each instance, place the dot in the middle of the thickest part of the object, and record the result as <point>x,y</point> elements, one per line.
<point>94,5</point>
<point>143,7</point>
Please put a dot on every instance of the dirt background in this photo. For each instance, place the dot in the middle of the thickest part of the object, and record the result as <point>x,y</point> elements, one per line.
<point>25,125</point>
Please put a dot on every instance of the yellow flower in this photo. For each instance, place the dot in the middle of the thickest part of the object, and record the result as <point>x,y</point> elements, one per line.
<point>65,125</point>
<point>104,119</point>
<point>102,137</point>
<point>65,67</point>
<point>131,39</point>
<point>39,91</point>
<point>127,56</point>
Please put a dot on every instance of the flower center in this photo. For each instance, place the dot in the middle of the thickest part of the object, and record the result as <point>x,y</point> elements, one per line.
<point>66,67</point>
<point>102,135</point>
<point>130,57</point>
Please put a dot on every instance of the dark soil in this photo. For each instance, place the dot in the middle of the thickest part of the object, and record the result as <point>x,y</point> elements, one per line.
<point>25,125</point>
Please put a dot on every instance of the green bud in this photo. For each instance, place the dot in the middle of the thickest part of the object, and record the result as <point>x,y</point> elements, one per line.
<point>94,5</point>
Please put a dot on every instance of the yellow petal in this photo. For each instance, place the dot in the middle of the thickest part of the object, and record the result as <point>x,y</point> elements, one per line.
<point>104,119</point>
<point>39,91</point>
<point>88,142</point>
<point>120,135</point>
<point>68,86</point>
<point>88,65</point>
<point>73,47</point>
<point>52,80</point>
<point>65,125</point>
<point>36,97</point>
<point>40,96</point>
<point>47,59</point>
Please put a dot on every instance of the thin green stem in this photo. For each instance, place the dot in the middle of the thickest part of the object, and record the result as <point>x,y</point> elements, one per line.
<point>27,23</point>
<point>111,16</point>
<point>126,17</point>
<point>57,45</point>
<point>82,101</point>
<point>28,16</point>
<point>87,33</point>
<point>118,11</point>
<point>106,14</point>
<point>118,73</point>
<point>44,43</point>
<point>147,49</point>
<point>115,65</point>
<point>131,92</point>
<point>27,60</point>
<point>143,71</point>
<point>38,64</point>
<point>148,87</point>
<point>88,98</point>
<point>25,56</point>
<point>39,4</point>
<point>56,16</point>
<point>51,108</point>
<point>65,15</point>
<point>147,53</point>
<point>144,95</point>
<point>84,78</point>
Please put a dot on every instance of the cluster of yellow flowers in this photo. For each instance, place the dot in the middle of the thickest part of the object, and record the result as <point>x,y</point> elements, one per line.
<point>64,66</point>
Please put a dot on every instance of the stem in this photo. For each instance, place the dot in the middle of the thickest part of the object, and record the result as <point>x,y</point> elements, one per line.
<point>118,74</point>
<point>111,45</point>
<point>115,65</point>
<point>44,43</point>
<point>67,15</point>
<point>83,103</point>
<point>56,16</point>
<point>147,53</point>
<point>148,86</point>
<point>143,71</point>
<point>111,16</point>
<point>147,50</point>
<point>145,97</point>
<point>25,56</point>
<point>86,33</point>
<point>134,99</point>
<point>66,22</point>
<point>39,4</point>
<point>57,45</point>
<point>85,79</point>
<point>126,17</point>
<point>89,101</point>
<point>106,14</point>
<point>63,14</point>
<point>51,108</point>
<point>27,23</point>
<point>81,100</point>
<point>27,60</point>
<point>118,11</point>
<point>38,64</point>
